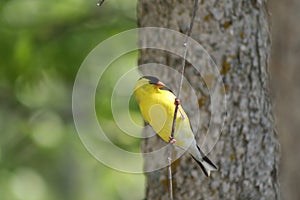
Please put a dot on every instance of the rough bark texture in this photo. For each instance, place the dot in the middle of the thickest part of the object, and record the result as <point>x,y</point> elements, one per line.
<point>236,35</point>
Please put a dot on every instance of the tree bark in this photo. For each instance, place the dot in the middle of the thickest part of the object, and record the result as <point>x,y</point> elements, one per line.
<point>285,81</point>
<point>236,34</point>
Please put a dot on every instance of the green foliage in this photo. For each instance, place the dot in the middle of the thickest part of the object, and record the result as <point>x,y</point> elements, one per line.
<point>42,45</point>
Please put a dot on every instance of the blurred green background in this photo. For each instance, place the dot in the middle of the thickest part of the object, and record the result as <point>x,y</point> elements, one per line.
<point>42,45</point>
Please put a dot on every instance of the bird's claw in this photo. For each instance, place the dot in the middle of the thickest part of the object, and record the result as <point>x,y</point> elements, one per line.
<point>172,140</point>
<point>177,101</point>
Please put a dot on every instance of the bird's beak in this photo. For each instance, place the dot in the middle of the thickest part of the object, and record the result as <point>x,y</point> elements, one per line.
<point>160,84</point>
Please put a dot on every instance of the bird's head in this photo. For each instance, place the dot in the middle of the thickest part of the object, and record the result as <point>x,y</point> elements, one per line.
<point>152,81</point>
<point>147,85</point>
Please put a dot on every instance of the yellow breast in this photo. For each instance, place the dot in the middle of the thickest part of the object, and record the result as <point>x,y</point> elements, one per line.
<point>157,107</point>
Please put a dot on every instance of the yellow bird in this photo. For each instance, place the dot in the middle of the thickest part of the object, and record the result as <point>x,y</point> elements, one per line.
<point>156,103</point>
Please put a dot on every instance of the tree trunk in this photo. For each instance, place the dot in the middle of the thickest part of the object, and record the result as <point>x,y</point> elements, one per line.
<point>235,33</point>
<point>285,81</point>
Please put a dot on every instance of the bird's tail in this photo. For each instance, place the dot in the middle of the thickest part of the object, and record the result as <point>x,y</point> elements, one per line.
<point>206,165</point>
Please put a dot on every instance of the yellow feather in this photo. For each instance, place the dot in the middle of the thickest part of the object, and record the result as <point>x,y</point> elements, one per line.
<point>157,106</point>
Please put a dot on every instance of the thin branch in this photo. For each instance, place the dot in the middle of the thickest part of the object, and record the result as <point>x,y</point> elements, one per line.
<point>170,173</point>
<point>186,44</point>
<point>100,2</point>
<point>177,101</point>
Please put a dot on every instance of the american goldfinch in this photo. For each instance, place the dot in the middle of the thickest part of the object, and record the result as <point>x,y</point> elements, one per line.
<point>156,103</point>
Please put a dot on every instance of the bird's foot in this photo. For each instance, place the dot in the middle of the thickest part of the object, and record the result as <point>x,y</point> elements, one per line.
<point>177,101</point>
<point>172,140</point>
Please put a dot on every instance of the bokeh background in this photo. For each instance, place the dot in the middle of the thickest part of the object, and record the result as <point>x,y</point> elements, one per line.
<point>42,45</point>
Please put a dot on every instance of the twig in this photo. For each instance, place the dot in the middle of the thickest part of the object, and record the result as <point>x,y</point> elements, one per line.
<point>100,2</point>
<point>186,44</point>
<point>177,101</point>
<point>170,172</point>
